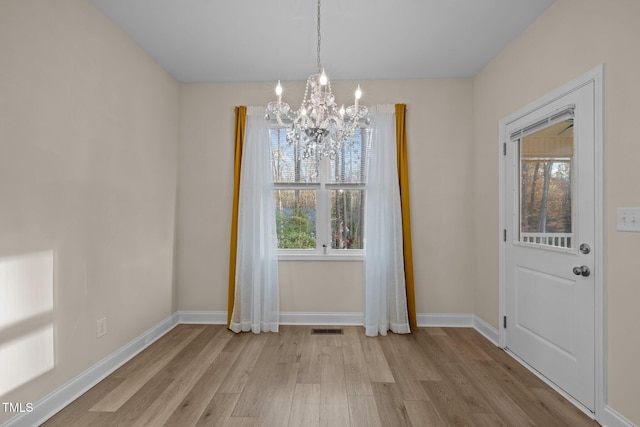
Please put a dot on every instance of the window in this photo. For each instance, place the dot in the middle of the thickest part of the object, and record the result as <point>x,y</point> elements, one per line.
<point>546,186</point>
<point>319,206</point>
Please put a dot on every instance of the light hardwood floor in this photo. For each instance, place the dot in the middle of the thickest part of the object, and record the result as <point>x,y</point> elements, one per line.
<point>205,375</point>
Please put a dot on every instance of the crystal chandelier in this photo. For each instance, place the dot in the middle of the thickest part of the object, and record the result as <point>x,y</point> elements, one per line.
<point>318,126</point>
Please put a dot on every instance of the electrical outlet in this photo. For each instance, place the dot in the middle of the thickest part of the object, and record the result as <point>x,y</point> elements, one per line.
<point>628,219</point>
<point>101,327</point>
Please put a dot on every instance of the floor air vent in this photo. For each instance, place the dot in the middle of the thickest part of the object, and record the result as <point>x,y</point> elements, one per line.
<point>326,331</point>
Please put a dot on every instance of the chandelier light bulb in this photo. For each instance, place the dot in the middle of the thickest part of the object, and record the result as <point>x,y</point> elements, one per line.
<point>279,92</point>
<point>341,111</point>
<point>303,111</point>
<point>323,78</point>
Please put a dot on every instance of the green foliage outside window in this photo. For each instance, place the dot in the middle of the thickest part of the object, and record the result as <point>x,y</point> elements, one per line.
<point>295,229</point>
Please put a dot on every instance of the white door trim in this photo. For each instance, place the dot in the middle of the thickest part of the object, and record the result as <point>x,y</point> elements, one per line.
<point>595,76</point>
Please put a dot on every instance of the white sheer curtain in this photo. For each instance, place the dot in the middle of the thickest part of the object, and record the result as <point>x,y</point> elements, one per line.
<point>256,305</point>
<point>385,293</point>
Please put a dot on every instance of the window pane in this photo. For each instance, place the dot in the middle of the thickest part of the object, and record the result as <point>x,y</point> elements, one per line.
<point>286,164</point>
<point>296,218</point>
<point>546,186</point>
<point>347,219</point>
<point>350,165</point>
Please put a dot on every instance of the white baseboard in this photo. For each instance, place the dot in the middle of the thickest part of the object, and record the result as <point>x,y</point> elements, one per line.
<point>322,319</point>
<point>203,317</point>
<point>611,418</point>
<point>445,320</point>
<point>53,402</point>
<point>458,320</point>
<point>286,318</point>
<point>487,330</point>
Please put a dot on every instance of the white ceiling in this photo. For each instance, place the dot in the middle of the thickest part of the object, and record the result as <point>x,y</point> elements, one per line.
<point>261,40</point>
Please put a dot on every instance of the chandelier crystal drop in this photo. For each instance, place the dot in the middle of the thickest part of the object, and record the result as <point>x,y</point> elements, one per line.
<point>319,126</point>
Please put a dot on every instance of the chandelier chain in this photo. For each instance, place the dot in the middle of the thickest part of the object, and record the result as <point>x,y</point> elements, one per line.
<point>319,39</point>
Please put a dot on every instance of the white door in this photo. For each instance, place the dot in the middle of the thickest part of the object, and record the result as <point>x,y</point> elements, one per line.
<point>549,242</point>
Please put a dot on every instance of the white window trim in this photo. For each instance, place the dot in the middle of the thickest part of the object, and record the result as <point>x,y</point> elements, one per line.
<point>284,255</point>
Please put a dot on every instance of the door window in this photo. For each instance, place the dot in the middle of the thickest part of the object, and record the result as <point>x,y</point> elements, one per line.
<point>546,186</point>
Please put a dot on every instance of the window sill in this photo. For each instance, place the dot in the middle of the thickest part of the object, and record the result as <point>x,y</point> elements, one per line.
<point>320,257</point>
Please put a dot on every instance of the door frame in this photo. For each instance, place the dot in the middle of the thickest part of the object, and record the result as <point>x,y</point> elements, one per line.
<point>595,76</point>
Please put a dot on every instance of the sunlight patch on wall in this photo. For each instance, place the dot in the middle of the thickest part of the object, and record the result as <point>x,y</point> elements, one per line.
<point>26,318</point>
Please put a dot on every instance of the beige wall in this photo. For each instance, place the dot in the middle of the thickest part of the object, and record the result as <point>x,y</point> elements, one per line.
<point>88,157</point>
<point>569,39</point>
<point>439,133</point>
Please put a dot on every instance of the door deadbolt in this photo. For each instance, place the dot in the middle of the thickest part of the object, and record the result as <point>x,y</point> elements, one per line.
<point>582,271</point>
<point>585,249</point>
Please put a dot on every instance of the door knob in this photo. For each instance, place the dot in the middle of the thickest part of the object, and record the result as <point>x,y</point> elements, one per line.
<point>582,271</point>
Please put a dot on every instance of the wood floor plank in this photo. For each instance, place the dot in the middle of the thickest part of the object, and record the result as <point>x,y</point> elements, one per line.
<point>309,358</point>
<point>181,335</point>
<point>93,419</point>
<point>520,394</point>
<point>363,411</point>
<point>291,338</point>
<point>458,341</point>
<point>213,377</point>
<point>334,405</point>
<point>435,331</point>
<point>236,379</point>
<point>276,404</point>
<point>305,408</point>
<point>147,368</point>
<point>423,414</point>
<point>242,422</point>
<point>562,409</point>
<point>78,413</point>
<point>180,363</point>
<point>199,397</point>
<point>516,370</point>
<point>503,358</point>
<point>278,411</point>
<point>453,410</point>
<point>162,408</point>
<point>487,420</point>
<point>451,350</point>
<point>356,373</point>
<point>390,404</point>
<point>129,413</point>
<point>268,372</point>
<point>76,418</point>
<point>427,343</point>
<point>275,369</point>
<point>453,374</point>
<point>501,402</point>
<point>406,370</point>
<point>421,365</point>
<point>377,364</point>
<point>216,413</point>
